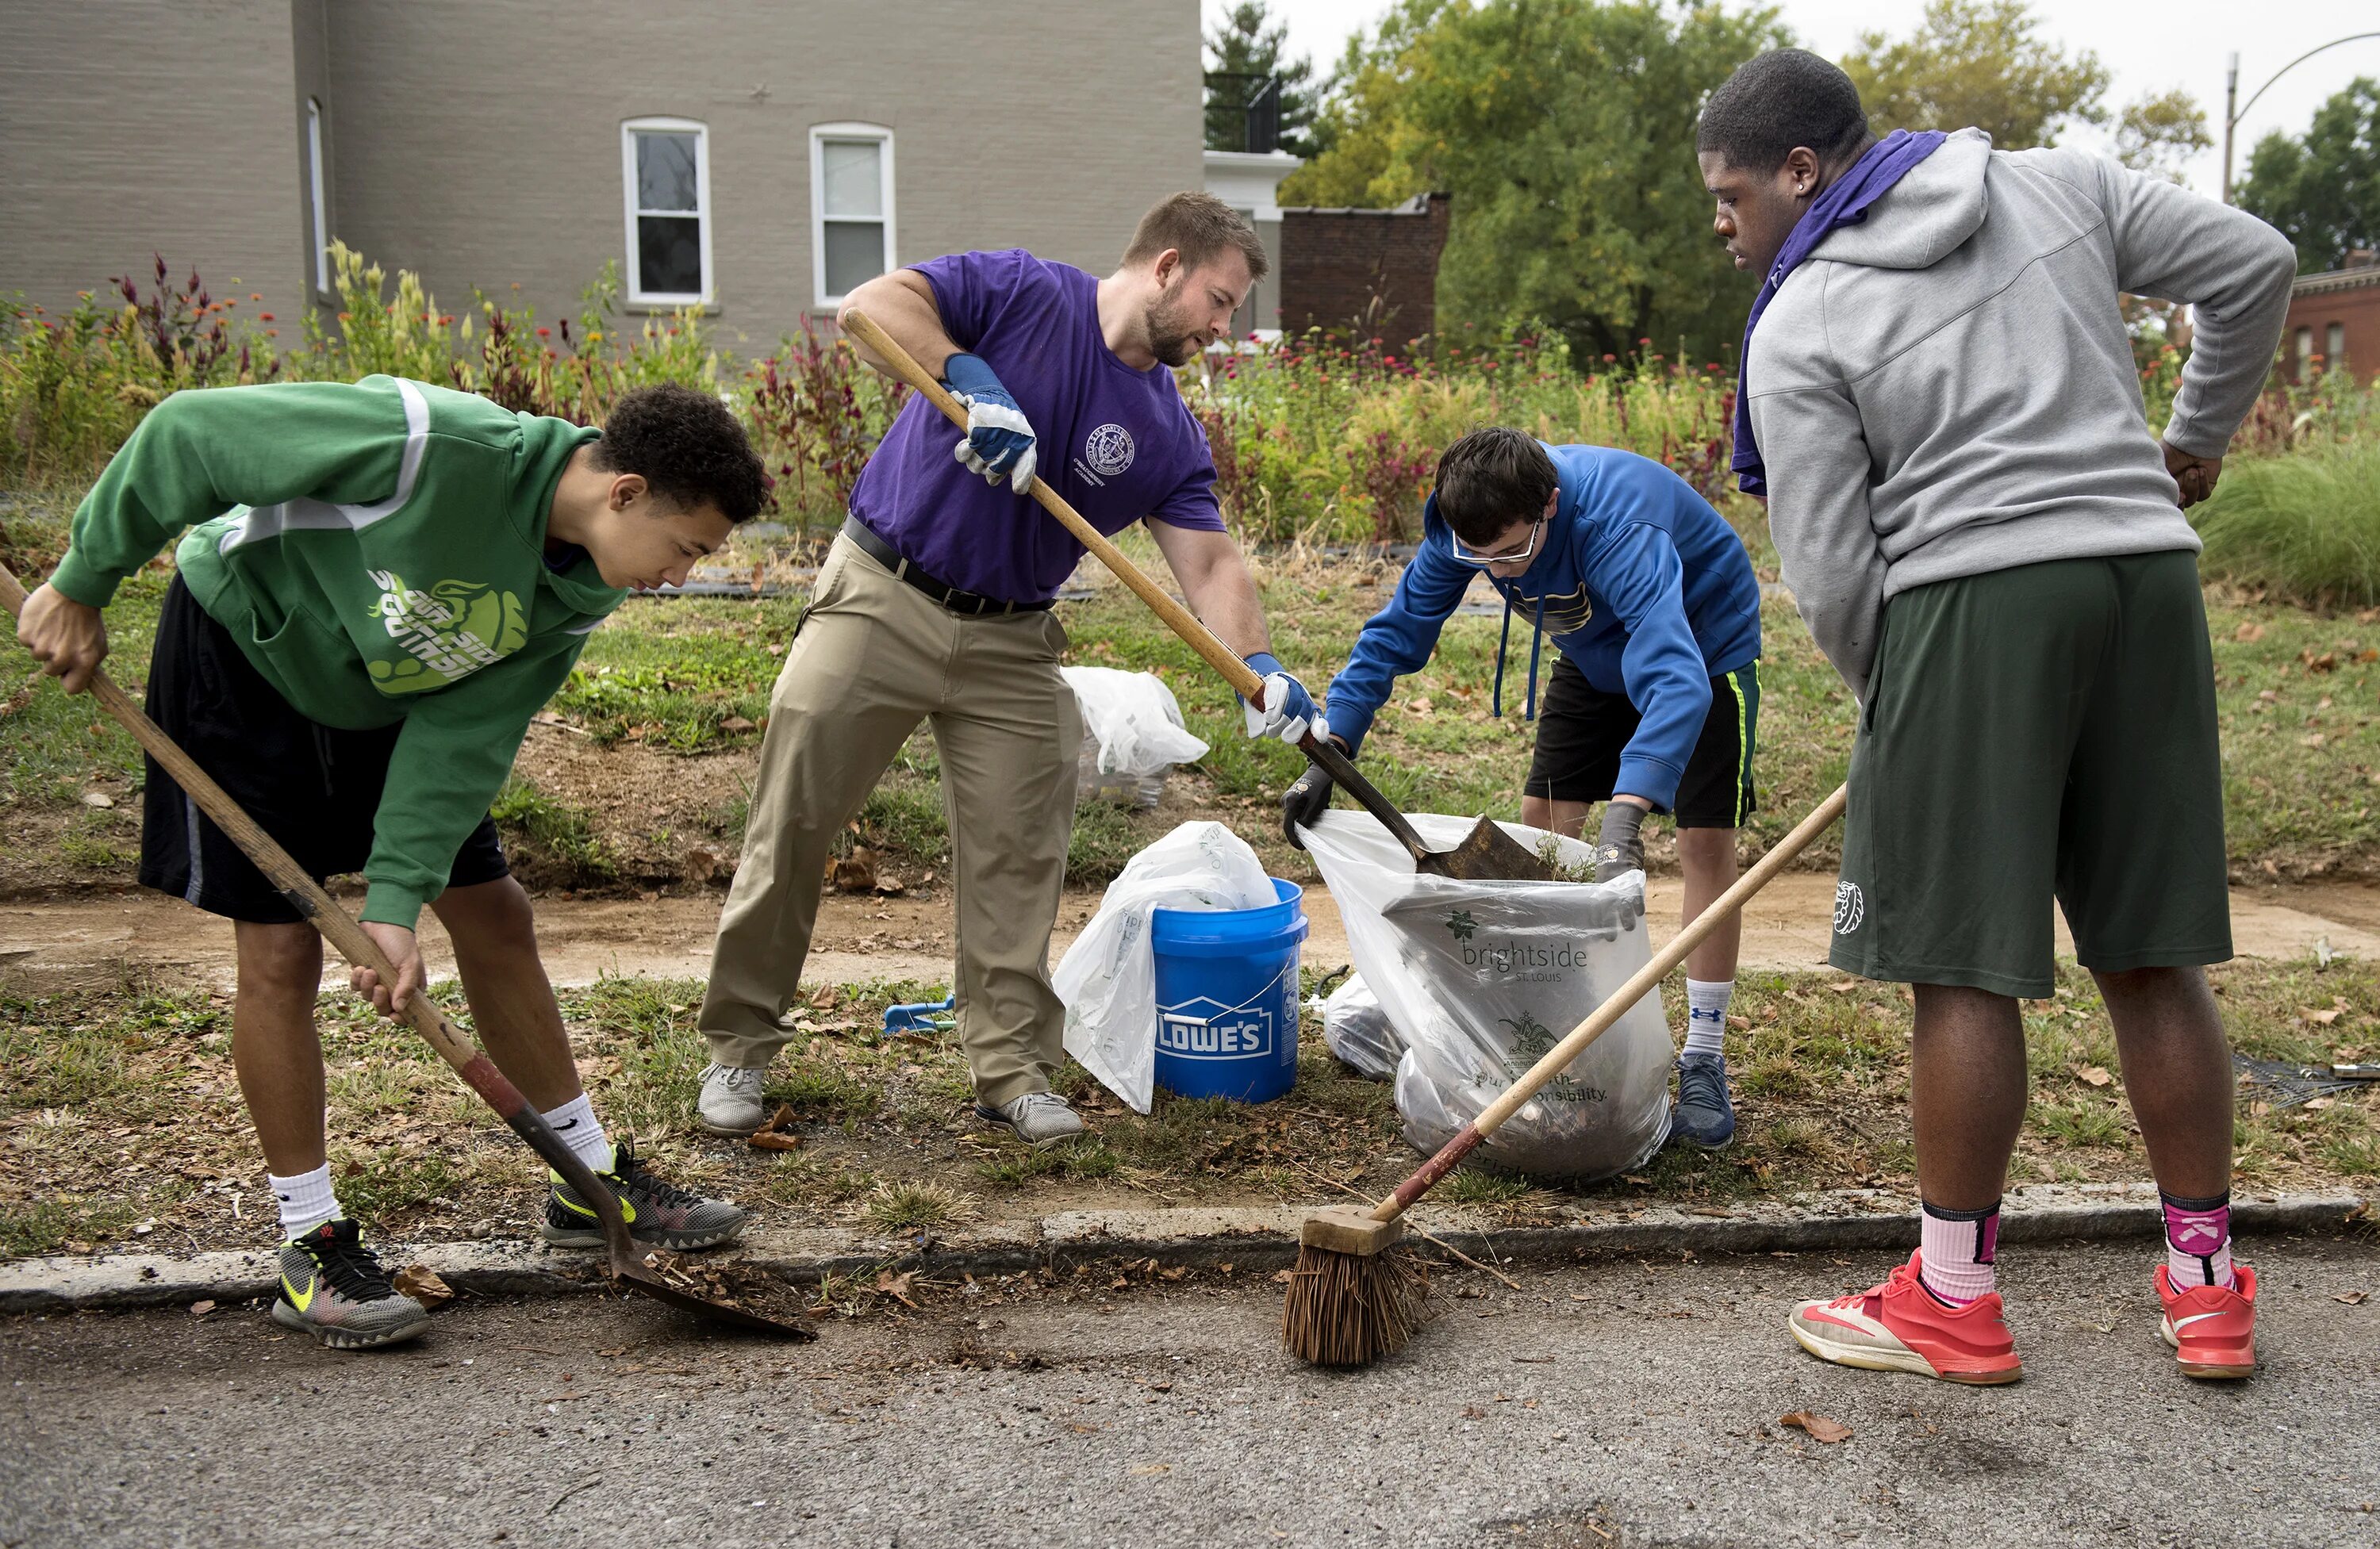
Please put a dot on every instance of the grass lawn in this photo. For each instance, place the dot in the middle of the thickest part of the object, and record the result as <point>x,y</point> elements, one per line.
<point>121,1112</point>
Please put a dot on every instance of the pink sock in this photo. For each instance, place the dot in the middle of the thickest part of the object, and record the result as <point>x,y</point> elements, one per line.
<point>1955,1251</point>
<point>2197,1241</point>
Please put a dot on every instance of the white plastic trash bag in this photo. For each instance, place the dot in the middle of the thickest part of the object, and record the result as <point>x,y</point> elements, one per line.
<point>1481,978</point>
<point>1133,733</point>
<point>1359,1032</point>
<point>1107,978</point>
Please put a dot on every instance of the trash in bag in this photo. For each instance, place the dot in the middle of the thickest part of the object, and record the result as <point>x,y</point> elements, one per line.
<point>1359,1032</point>
<point>1132,734</point>
<point>1107,978</point>
<point>1481,978</point>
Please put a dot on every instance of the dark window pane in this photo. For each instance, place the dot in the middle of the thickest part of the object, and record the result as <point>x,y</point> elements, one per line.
<point>668,255</point>
<point>855,254</point>
<point>665,172</point>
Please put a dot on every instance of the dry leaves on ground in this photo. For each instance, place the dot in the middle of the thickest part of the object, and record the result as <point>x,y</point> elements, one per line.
<point>777,1134</point>
<point>1820,1428</point>
<point>423,1283</point>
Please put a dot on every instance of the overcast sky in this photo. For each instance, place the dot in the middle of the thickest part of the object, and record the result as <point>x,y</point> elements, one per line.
<point>2185,45</point>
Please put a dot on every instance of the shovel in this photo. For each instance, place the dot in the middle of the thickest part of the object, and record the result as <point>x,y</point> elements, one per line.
<point>1486,854</point>
<point>629,1265</point>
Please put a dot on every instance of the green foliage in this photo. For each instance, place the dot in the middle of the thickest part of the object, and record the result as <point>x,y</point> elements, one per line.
<point>1979,63</point>
<point>1562,129</point>
<point>2322,190</point>
<point>1240,54</point>
<point>562,831</point>
<point>2160,132</point>
<point>2303,529</point>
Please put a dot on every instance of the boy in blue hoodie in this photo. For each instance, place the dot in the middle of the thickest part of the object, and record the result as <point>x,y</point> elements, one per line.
<point>1655,695</point>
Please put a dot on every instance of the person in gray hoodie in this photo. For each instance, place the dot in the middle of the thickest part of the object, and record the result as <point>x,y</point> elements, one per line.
<point>1940,403</point>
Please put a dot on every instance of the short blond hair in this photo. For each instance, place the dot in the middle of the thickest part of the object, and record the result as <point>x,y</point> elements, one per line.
<point>1201,228</point>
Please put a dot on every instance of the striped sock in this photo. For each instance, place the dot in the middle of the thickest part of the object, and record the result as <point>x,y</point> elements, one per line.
<point>1957,1248</point>
<point>1707,1003</point>
<point>2197,1241</point>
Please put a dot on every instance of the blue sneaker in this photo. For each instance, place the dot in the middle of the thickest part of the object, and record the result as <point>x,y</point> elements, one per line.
<point>1704,1117</point>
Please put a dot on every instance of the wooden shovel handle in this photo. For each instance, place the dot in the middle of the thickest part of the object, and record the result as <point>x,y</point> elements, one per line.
<point>1619,1004</point>
<point>1238,674</point>
<point>307,897</point>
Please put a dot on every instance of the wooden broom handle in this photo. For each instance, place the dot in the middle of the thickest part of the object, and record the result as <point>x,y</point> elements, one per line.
<point>303,893</point>
<point>1619,1004</point>
<point>1220,657</point>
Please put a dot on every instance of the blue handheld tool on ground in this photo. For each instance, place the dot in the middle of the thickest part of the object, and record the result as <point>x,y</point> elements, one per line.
<point>922,1016</point>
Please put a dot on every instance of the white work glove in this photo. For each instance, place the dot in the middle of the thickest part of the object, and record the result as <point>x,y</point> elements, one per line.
<point>1000,442</point>
<point>1289,711</point>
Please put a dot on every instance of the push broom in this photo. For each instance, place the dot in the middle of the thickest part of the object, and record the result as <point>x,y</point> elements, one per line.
<point>1351,1298</point>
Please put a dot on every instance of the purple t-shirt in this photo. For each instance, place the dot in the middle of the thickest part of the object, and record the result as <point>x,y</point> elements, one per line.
<point>1118,444</point>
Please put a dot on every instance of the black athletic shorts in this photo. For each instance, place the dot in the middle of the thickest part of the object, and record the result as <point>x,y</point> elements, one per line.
<point>314,788</point>
<point>1582,730</point>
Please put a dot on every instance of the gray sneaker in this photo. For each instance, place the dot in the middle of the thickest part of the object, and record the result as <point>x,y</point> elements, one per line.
<point>730,1104</point>
<point>1037,1118</point>
<point>333,1288</point>
<point>660,1215</point>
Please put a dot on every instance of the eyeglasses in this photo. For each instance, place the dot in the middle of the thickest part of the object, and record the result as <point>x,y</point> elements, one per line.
<point>1472,556</point>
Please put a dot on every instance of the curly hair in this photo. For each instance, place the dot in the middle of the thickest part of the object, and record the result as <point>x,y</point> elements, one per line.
<point>1777,101</point>
<point>690,448</point>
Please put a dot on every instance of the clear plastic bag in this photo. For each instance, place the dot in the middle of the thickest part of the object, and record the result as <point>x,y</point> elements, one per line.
<point>1132,734</point>
<point>1481,978</point>
<point>1359,1031</point>
<point>1107,978</point>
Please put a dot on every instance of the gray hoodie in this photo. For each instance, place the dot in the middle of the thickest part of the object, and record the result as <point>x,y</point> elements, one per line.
<point>1947,389</point>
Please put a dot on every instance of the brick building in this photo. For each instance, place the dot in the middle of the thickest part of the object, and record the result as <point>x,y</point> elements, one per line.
<point>2335,319</point>
<point>1371,273</point>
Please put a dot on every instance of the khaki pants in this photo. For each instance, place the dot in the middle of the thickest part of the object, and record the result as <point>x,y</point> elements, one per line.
<point>873,657</point>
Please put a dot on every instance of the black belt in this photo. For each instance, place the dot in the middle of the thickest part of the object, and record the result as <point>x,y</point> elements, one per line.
<point>974,605</point>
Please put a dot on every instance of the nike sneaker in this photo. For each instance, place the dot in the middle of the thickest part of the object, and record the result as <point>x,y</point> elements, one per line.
<point>660,1215</point>
<point>335,1289</point>
<point>2213,1331</point>
<point>1901,1326</point>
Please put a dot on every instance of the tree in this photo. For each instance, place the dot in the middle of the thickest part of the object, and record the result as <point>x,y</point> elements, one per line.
<point>2323,190</point>
<point>1979,63</point>
<point>2158,134</point>
<point>1242,54</point>
<point>1564,131</point>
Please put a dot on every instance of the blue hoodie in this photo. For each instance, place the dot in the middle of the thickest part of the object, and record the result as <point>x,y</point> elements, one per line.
<point>1641,585</point>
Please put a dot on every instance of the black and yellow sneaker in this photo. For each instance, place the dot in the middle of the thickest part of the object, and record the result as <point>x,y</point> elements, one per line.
<point>659,1214</point>
<point>333,1288</point>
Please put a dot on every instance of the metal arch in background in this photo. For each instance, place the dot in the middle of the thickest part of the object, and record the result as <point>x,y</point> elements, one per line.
<point>2231,116</point>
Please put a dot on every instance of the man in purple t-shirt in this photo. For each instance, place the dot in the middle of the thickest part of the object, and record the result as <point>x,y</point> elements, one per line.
<point>934,605</point>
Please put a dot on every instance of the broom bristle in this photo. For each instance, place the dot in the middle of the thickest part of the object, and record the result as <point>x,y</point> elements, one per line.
<point>1351,1308</point>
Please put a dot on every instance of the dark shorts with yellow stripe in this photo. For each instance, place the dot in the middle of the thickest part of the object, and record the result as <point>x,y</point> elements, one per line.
<point>1582,730</point>
<point>2043,731</point>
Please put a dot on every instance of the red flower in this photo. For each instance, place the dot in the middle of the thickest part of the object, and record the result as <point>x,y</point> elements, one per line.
<point>1610,359</point>
<point>266,315</point>
<point>544,333</point>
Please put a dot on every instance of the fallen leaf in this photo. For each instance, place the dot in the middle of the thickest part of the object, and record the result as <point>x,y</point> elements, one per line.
<point>1421,705</point>
<point>1145,1470</point>
<point>1473,1411</point>
<point>895,1286</point>
<point>200,1309</point>
<point>2249,632</point>
<point>855,873</point>
<point>422,1283</point>
<point>97,798</point>
<point>2093,1075</point>
<point>774,1140</point>
<point>2318,1104</point>
<point>889,886</point>
<point>736,723</point>
<point>2311,739</point>
<point>1820,1428</point>
<point>2353,1299</point>
<point>1080,1429</point>
<point>2325,1016</point>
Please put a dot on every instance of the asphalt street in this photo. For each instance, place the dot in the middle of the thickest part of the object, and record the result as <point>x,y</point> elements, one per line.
<point>1631,1402</point>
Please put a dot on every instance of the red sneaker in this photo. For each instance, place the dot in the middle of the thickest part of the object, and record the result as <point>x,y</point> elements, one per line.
<point>2212,1330</point>
<point>1901,1326</point>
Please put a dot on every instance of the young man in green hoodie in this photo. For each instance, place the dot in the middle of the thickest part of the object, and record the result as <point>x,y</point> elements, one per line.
<point>353,649</point>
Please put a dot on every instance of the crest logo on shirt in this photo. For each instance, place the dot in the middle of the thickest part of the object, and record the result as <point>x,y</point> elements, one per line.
<point>1108,450</point>
<point>1850,908</point>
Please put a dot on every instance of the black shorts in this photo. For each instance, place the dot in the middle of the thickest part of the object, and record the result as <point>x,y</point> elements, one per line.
<point>1582,730</point>
<point>314,788</point>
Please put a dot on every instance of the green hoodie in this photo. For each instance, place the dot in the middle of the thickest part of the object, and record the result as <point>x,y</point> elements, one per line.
<point>383,559</point>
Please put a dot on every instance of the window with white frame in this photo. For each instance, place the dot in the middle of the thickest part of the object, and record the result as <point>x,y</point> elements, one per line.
<point>665,166</point>
<point>2305,353</point>
<point>2333,345</point>
<point>851,207</point>
<point>318,207</point>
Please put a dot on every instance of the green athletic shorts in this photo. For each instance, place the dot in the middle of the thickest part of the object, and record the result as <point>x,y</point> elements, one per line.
<point>2043,731</point>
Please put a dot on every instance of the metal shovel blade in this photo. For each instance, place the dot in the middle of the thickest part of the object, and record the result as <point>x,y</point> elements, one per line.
<point>1487,854</point>
<point>638,1278</point>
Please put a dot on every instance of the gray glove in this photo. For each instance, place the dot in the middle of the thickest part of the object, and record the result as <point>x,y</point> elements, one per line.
<point>1304,803</point>
<point>1619,845</point>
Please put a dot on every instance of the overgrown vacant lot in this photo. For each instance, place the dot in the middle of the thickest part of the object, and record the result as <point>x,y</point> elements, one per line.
<point>120,1112</point>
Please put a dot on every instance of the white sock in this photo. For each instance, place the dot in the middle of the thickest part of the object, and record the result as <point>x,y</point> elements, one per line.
<point>576,1122</point>
<point>1707,1017</point>
<point>306,1201</point>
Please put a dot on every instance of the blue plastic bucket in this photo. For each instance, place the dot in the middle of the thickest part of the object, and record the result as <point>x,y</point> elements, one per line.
<point>1227,997</point>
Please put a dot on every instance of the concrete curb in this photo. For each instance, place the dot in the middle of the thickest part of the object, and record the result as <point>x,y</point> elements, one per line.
<point>1260,1239</point>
